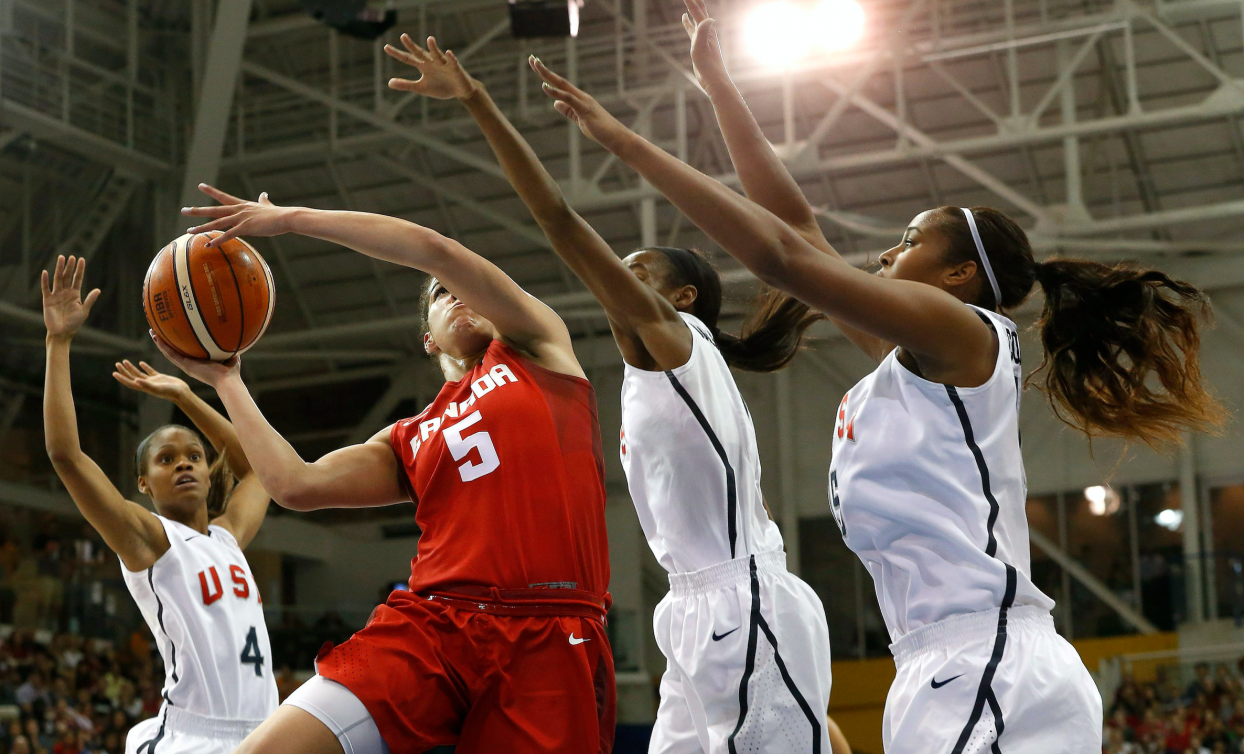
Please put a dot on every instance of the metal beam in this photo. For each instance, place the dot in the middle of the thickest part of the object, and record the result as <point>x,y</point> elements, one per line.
<point>80,141</point>
<point>403,384</point>
<point>211,117</point>
<point>1081,574</point>
<point>529,232</point>
<point>958,163</point>
<point>418,136</point>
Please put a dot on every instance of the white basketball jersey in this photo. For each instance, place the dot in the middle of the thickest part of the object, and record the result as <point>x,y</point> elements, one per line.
<point>928,488</point>
<point>202,604</point>
<point>689,452</point>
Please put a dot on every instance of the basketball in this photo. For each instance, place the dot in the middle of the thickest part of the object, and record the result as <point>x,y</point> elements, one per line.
<point>209,302</point>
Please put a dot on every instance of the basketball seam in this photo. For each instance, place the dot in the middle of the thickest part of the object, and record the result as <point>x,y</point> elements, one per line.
<point>198,307</point>
<point>154,319</point>
<point>241,304</point>
<point>271,283</point>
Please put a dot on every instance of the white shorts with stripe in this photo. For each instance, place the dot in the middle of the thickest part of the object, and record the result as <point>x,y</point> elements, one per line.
<point>175,731</point>
<point>747,662</point>
<point>996,681</point>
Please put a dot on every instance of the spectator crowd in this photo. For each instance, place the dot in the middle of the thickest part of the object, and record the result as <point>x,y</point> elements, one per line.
<point>74,695</point>
<point>1206,717</point>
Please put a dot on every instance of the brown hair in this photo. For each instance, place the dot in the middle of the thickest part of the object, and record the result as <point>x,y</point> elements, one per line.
<point>1105,330</point>
<point>770,337</point>
<point>219,478</point>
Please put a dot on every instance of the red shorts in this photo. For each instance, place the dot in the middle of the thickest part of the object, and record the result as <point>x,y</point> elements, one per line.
<point>486,676</point>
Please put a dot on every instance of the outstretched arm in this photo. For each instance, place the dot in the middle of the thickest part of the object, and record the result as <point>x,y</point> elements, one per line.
<point>522,319</point>
<point>928,322</point>
<point>648,330</point>
<point>762,174</point>
<point>358,476</point>
<point>129,529</point>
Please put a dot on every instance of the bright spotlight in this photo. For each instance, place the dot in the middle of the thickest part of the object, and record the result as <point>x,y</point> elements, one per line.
<point>1170,519</point>
<point>1102,500</point>
<point>837,24</point>
<point>777,34</point>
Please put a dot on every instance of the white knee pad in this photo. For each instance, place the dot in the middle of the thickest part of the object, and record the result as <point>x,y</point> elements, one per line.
<point>342,712</point>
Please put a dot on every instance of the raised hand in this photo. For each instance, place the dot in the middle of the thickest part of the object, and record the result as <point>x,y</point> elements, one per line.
<point>710,67</point>
<point>64,310</point>
<point>441,75</point>
<point>212,373</point>
<point>146,379</point>
<point>238,217</point>
<point>593,120</point>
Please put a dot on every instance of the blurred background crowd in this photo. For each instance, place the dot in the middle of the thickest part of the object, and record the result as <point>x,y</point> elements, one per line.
<point>1159,717</point>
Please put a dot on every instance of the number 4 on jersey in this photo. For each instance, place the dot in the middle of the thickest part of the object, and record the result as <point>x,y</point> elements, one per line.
<point>250,652</point>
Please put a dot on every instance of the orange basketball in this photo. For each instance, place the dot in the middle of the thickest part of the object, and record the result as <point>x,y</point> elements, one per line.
<point>209,303</point>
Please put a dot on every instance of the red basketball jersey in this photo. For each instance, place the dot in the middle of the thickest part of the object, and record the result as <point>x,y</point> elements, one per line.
<point>507,470</point>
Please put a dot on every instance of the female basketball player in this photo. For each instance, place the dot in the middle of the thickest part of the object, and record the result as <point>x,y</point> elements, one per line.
<point>184,563</point>
<point>927,481</point>
<point>500,643</point>
<point>745,641</point>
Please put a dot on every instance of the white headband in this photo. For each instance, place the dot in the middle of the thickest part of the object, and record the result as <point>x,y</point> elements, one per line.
<point>980,247</point>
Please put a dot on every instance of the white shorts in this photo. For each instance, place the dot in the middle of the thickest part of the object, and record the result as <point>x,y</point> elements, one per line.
<point>176,731</point>
<point>988,682</point>
<point>747,662</point>
<point>342,712</point>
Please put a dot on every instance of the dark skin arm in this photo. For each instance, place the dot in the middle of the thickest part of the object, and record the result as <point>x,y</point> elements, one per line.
<point>646,326</point>
<point>943,340</point>
<point>129,529</point>
<point>763,175</point>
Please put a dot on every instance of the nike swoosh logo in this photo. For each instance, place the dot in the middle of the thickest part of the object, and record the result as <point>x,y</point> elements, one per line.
<point>575,641</point>
<point>937,685</point>
<point>719,638</point>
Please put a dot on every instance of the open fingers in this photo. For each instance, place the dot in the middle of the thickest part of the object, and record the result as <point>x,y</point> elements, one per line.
<point>219,195</point>
<point>230,233</point>
<point>435,51</point>
<point>216,210</point>
<point>150,370</point>
<point>222,223</point>
<point>58,274</point>
<point>90,301</point>
<point>412,47</point>
<point>125,379</point>
<point>409,58</point>
<point>548,75</point>
<point>79,272</point>
<point>697,9</point>
<point>405,85</point>
<point>66,273</point>
<point>688,25</point>
<point>43,284</point>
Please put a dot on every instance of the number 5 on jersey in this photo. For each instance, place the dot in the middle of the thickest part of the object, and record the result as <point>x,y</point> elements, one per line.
<point>460,445</point>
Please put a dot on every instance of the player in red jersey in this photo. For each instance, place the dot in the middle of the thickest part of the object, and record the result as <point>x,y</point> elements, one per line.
<point>500,643</point>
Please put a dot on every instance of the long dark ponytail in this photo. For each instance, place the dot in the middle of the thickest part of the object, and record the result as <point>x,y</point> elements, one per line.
<point>1105,329</point>
<point>770,337</point>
